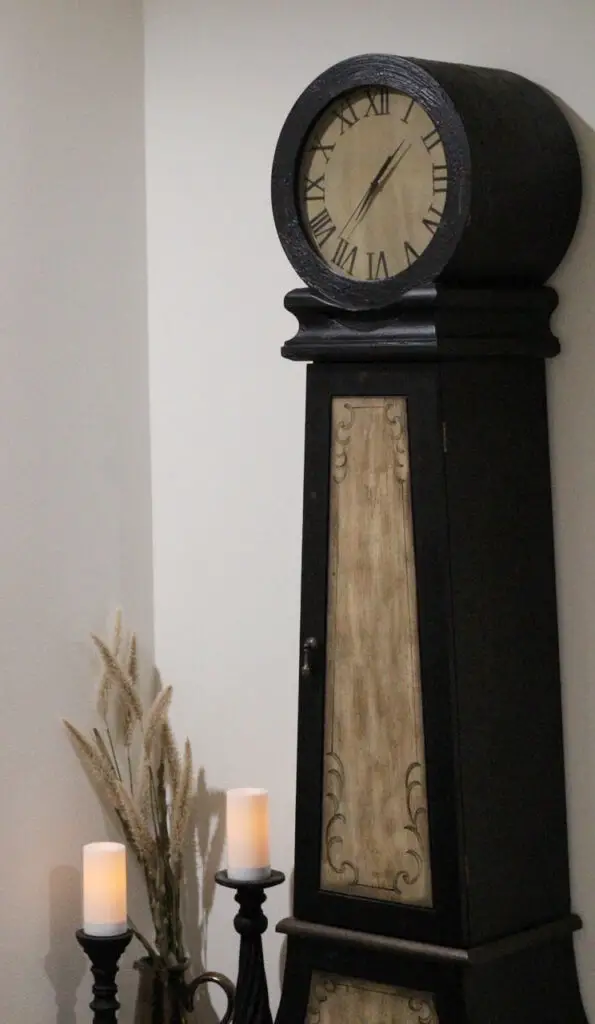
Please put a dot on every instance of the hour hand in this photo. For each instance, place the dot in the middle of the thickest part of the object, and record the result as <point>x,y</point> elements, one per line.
<point>368,195</point>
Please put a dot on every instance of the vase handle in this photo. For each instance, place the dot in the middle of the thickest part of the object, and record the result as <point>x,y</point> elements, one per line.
<point>217,979</point>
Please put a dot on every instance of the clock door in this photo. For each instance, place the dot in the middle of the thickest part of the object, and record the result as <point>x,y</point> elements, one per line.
<point>376,822</point>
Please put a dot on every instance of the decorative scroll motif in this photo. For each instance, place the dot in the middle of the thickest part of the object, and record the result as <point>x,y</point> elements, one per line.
<point>425,1009</point>
<point>341,443</point>
<point>416,814</point>
<point>335,783</point>
<point>375,830</point>
<point>322,987</point>
<point>395,412</point>
<point>336,1000</point>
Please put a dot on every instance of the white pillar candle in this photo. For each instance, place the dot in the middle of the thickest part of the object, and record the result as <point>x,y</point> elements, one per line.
<point>104,889</point>
<point>248,858</point>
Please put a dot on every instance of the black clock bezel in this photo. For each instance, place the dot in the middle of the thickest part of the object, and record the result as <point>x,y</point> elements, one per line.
<point>369,71</point>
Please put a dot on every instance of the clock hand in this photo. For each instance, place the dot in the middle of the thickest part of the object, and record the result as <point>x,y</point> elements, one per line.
<point>380,181</point>
<point>364,201</point>
<point>388,171</point>
<point>391,170</point>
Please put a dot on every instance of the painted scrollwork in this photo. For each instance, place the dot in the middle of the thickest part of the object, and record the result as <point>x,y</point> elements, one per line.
<point>341,441</point>
<point>375,847</point>
<point>424,1009</point>
<point>351,1000</point>
<point>395,415</point>
<point>335,820</point>
<point>416,813</point>
<point>321,989</point>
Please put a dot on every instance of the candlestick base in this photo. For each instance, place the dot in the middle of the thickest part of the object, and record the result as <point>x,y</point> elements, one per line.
<point>252,994</point>
<point>104,952</point>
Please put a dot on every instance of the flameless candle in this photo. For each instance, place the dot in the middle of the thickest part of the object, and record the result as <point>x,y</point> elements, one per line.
<point>104,889</point>
<point>248,858</point>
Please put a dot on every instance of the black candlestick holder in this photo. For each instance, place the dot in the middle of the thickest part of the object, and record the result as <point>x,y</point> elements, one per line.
<point>252,994</point>
<point>104,952</point>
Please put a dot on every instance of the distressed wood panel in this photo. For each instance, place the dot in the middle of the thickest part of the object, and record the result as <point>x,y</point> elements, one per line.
<point>375,838</point>
<point>336,1000</point>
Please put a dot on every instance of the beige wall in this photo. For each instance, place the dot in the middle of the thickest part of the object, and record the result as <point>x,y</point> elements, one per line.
<point>227,413</point>
<point>74,452</point>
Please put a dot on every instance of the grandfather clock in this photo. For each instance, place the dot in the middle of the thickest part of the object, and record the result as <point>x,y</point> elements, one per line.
<point>425,205</point>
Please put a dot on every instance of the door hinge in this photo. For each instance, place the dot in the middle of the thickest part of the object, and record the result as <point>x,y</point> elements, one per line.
<point>444,438</point>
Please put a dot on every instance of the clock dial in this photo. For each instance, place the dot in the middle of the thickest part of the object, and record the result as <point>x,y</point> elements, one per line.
<point>373,183</point>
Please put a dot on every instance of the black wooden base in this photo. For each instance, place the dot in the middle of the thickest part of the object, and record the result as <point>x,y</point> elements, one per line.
<point>251,994</point>
<point>525,978</point>
<point>104,952</point>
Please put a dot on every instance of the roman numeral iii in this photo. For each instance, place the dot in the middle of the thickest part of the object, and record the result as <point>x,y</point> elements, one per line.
<point>439,177</point>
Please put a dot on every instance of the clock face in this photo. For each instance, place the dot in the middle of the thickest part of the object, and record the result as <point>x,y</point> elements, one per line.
<point>372,183</point>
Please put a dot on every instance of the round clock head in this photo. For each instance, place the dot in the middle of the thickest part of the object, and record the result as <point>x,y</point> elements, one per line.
<point>372,183</point>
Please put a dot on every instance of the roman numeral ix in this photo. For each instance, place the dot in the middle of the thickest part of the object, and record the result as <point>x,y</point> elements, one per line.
<point>314,189</point>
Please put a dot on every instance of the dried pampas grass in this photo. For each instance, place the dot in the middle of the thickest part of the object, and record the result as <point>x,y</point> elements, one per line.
<point>150,788</point>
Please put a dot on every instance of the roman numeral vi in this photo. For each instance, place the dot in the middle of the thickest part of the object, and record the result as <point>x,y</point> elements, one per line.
<point>377,265</point>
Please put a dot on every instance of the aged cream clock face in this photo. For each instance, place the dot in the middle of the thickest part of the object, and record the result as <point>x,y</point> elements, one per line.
<point>372,184</point>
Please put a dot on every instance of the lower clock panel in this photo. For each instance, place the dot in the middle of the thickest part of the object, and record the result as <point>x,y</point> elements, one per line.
<point>337,1000</point>
<point>353,980</point>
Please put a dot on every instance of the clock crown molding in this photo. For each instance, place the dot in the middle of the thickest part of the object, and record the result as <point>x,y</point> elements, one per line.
<point>429,323</point>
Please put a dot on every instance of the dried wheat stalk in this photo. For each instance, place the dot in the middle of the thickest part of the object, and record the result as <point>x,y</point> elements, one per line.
<point>153,804</point>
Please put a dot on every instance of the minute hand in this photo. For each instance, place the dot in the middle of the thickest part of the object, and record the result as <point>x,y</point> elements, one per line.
<point>368,194</point>
<point>388,169</point>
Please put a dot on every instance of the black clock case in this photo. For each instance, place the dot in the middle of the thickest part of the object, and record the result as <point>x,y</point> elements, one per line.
<point>497,944</point>
<point>514,190</point>
<point>526,184</point>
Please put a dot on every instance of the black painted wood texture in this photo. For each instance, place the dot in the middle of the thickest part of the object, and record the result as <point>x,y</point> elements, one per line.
<point>496,948</point>
<point>104,953</point>
<point>427,324</point>
<point>534,983</point>
<point>501,555</point>
<point>488,647</point>
<point>514,178</point>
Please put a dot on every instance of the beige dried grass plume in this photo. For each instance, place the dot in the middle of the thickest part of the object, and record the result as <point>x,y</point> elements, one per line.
<point>149,787</point>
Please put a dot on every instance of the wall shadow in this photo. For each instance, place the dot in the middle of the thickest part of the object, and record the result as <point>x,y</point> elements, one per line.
<point>571,391</point>
<point>203,860</point>
<point>283,950</point>
<point>65,963</point>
